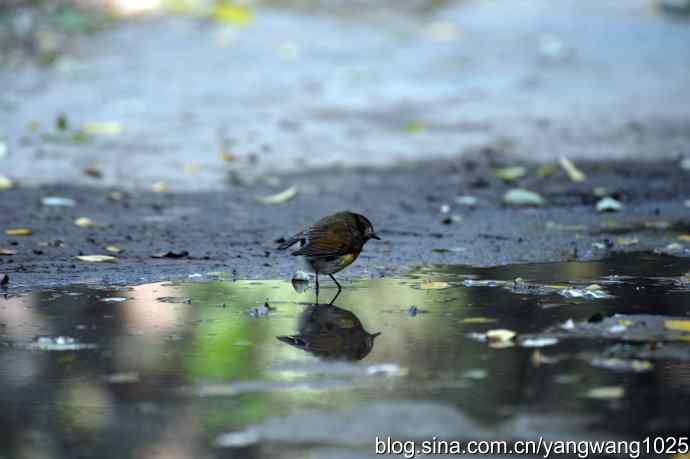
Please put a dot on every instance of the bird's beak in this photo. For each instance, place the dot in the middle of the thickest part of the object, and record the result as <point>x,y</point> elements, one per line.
<point>375,236</point>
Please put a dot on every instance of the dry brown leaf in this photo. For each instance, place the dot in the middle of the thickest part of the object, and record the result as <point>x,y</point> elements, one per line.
<point>478,320</point>
<point>430,285</point>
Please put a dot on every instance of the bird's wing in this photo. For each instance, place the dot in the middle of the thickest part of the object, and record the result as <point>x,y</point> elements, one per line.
<point>292,240</point>
<point>333,240</point>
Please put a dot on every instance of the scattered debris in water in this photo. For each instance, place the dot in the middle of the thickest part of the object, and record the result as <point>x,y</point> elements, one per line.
<point>115,299</point>
<point>59,343</point>
<point>414,310</point>
<point>609,204</point>
<point>261,311</point>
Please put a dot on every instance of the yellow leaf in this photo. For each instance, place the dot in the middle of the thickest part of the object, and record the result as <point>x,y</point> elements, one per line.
<point>227,155</point>
<point>510,173</point>
<point>6,183</point>
<point>113,249</point>
<point>606,392</point>
<point>500,334</point>
<point>97,258</point>
<point>232,13</point>
<point>159,187</point>
<point>679,325</point>
<point>19,232</point>
<point>575,174</point>
<point>414,127</point>
<point>684,237</point>
<point>104,128</point>
<point>430,285</point>
<point>84,222</point>
<point>478,320</point>
<point>627,241</point>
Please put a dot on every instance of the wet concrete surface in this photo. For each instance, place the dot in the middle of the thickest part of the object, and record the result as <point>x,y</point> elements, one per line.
<point>231,231</point>
<point>393,112</point>
<point>186,367</point>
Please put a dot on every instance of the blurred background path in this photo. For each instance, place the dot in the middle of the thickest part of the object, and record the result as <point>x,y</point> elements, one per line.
<point>265,88</point>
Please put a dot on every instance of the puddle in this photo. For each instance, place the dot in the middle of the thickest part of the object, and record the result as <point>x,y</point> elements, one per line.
<point>490,353</point>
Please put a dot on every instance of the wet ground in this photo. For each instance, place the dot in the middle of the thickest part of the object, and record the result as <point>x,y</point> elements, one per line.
<point>571,350</point>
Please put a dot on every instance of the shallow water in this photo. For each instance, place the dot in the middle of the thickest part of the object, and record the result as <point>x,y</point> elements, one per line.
<point>204,369</point>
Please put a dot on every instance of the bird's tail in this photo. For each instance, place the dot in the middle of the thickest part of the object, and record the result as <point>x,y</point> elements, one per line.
<point>291,241</point>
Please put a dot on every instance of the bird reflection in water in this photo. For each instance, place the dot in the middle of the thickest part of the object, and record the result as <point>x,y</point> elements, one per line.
<point>332,333</point>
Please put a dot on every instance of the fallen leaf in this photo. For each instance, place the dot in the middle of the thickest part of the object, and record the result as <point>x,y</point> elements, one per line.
<point>478,320</point>
<point>227,155</point>
<point>538,359</point>
<point>93,172</point>
<point>600,191</point>
<point>547,170</point>
<point>466,200</point>
<point>510,174</point>
<point>616,364</point>
<point>57,201</point>
<point>6,183</point>
<point>97,258</point>
<point>627,241</point>
<point>233,13</point>
<point>102,128</point>
<point>7,252</point>
<point>159,187</point>
<point>279,198</point>
<point>539,341</point>
<point>113,249</point>
<point>606,392</point>
<point>430,285</point>
<point>575,174</point>
<point>562,227</point>
<point>115,195</point>
<point>684,237</point>
<point>678,325</point>
<point>19,232</point>
<point>522,197</point>
<point>84,222</point>
<point>500,334</point>
<point>609,204</point>
<point>170,254</point>
<point>192,168</point>
<point>414,127</point>
<point>657,224</point>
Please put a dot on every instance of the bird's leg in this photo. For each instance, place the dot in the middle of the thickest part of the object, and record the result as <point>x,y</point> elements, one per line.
<point>336,283</point>
<point>317,287</point>
<point>336,296</point>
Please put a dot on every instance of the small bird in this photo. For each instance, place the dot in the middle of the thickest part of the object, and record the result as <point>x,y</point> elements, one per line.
<point>332,243</point>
